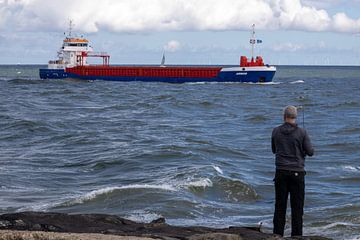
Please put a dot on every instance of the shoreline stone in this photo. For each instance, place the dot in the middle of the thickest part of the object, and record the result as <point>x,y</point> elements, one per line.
<point>111,225</point>
<point>37,235</point>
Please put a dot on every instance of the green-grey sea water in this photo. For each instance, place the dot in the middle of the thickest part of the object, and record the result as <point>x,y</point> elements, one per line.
<point>196,154</point>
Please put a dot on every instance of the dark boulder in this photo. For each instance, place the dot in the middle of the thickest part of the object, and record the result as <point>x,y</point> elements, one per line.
<point>111,224</point>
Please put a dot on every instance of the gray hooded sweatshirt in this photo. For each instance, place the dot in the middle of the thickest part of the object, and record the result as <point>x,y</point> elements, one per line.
<point>290,144</point>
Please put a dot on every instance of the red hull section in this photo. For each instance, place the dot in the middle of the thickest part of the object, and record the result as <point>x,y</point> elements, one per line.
<point>143,71</point>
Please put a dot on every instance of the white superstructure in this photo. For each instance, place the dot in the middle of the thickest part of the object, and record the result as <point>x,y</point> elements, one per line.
<point>73,52</point>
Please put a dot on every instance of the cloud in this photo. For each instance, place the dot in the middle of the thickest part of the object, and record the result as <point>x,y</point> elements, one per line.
<point>319,46</point>
<point>172,46</point>
<point>136,16</point>
<point>343,23</point>
<point>289,47</point>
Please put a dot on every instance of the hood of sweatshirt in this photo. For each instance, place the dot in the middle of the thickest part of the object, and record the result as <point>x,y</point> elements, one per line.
<point>288,128</point>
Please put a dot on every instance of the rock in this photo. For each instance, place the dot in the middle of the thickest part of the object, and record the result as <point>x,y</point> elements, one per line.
<point>111,224</point>
<point>36,227</point>
<point>20,223</point>
<point>306,238</point>
<point>5,224</point>
<point>27,235</point>
<point>159,221</point>
<point>215,236</point>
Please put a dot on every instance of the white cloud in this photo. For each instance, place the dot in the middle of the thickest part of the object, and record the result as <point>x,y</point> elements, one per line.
<point>172,46</point>
<point>176,15</point>
<point>288,47</point>
<point>323,3</point>
<point>343,23</point>
<point>300,47</point>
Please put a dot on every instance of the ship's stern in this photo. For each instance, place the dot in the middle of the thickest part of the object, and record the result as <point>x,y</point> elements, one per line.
<point>46,73</point>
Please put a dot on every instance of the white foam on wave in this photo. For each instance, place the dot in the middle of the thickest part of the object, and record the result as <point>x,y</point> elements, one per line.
<point>355,238</point>
<point>93,194</point>
<point>203,183</point>
<point>270,83</point>
<point>298,81</point>
<point>218,169</point>
<point>336,224</point>
<point>42,206</point>
<point>346,168</point>
<point>195,83</point>
<point>142,216</point>
<point>262,83</point>
<point>336,228</point>
<point>351,168</point>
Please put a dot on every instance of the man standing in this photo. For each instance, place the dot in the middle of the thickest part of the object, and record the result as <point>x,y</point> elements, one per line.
<point>290,144</point>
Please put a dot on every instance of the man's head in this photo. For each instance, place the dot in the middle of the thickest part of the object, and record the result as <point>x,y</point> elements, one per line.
<point>290,114</point>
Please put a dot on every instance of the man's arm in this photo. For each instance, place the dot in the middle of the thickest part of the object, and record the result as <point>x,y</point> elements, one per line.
<point>309,150</point>
<point>273,147</point>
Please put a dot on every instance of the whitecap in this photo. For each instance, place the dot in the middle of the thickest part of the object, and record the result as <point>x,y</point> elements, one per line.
<point>203,183</point>
<point>93,194</point>
<point>298,81</point>
<point>336,224</point>
<point>142,216</point>
<point>195,83</point>
<point>262,83</point>
<point>41,206</point>
<point>218,169</point>
<point>351,168</point>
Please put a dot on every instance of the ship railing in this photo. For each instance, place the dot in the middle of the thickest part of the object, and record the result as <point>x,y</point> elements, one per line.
<point>105,57</point>
<point>97,54</point>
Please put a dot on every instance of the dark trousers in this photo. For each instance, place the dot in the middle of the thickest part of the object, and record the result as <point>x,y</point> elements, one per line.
<point>289,182</point>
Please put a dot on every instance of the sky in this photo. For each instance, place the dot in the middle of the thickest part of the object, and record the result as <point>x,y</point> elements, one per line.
<point>293,32</point>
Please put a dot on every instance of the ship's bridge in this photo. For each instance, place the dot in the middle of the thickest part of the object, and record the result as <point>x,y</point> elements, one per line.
<point>75,42</point>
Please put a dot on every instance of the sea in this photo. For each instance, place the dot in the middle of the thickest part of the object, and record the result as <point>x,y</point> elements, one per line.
<point>195,153</point>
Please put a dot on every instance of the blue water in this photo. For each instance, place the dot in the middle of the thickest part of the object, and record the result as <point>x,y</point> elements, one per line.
<point>196,154</point>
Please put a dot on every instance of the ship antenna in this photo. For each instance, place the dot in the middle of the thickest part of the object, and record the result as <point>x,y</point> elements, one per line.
<point>71,26</point>
<point>252,41</point>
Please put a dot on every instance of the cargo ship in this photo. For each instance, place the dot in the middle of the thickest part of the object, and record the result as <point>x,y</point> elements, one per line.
<point>72,63</point>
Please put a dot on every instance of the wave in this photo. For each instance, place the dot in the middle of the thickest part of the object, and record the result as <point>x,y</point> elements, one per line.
<point>349,130</point>
<point>196,83</point>
<point>351,168</point>
<point>297,81</point>
<point>235,190</point>
<point>257,119</point>
<point>218,169</point>
<point>25,80</point>
<point>199,183</point>
<point>347,104</point>
<point>19,129</point>
<point>221,189</point>
<point>263,83</point>
<point>250,83</point>
<point>345,168</point>
<point>336,230</point>
<point>142,216</point>
<point>108,190</point>
<point>216,188</point>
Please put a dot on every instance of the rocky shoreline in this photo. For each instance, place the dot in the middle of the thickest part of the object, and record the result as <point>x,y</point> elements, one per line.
<point>62,226</point>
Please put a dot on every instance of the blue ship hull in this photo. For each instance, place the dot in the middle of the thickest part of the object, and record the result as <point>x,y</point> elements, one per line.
<point>52,73</point>
<point>223,76</point>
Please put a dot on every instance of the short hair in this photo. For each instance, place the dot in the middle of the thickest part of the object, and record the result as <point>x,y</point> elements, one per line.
<point>290,112</point>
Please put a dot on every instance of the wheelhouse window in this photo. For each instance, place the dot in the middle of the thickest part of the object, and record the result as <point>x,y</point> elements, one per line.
<point>76,44</point>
